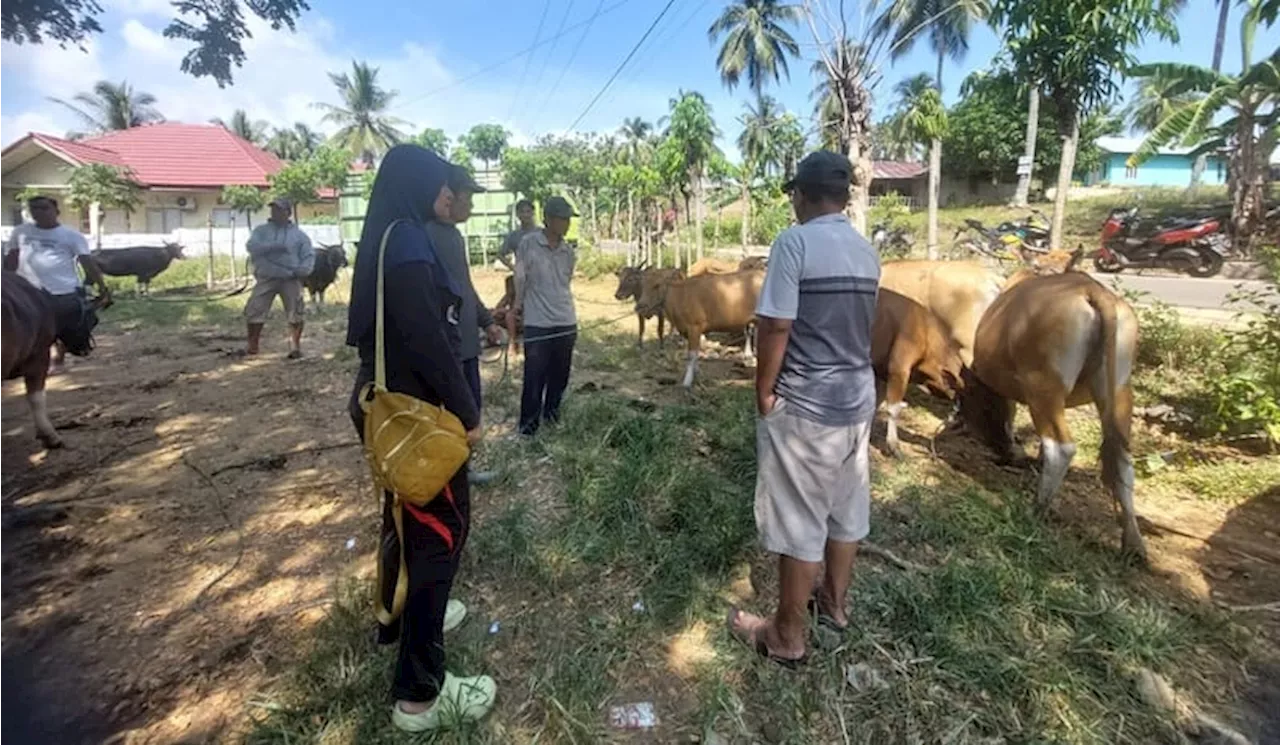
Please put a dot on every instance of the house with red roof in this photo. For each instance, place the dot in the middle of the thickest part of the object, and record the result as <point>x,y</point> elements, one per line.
<point>181,167</point>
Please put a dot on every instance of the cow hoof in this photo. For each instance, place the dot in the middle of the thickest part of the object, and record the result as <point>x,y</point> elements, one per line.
<point>51,443</point>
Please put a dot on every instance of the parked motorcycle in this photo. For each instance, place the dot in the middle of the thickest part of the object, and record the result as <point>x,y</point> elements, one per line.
<point>895,242</point>
<point>1193,245</point>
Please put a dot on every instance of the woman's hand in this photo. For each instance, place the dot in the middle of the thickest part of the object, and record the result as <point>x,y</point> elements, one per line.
<point>475,435</point>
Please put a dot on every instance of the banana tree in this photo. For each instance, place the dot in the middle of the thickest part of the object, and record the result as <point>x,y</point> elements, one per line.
<point>1248,133</point>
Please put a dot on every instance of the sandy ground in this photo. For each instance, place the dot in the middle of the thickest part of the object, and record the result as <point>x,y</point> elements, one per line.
<point>168,563</point>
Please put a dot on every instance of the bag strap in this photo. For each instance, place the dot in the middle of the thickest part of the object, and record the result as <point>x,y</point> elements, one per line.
<point>380,355</point>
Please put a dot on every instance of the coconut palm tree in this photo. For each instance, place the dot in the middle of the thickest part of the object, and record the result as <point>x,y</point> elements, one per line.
<point>365,129</point>
<point>755,43</point>
<point>1153,103</point>
<point>294,143</point>
<point>636,133</point>
<point>692,132</point>
<point>758,141</point>
<point>946,23</point>
<point>243,127</point>
<point>923,118</point>
<point>842,102</point>
<point>111,106</point>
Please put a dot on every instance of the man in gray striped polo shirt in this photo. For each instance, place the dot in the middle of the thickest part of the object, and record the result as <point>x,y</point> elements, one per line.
<point>816,396</point>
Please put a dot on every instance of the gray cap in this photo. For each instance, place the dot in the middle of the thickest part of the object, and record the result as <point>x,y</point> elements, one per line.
<point>460,179</point>
<point>558,207</point>
<point>282,202</point>
<point>822,168</point>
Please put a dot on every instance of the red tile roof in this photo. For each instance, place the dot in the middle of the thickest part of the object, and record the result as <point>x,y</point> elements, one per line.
<point>79,151</point>
<point>174,154</point>
<point>892,169</point>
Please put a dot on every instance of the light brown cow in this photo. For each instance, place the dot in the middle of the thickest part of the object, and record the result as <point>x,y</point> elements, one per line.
<point>696,305</point>
<point>712,266</point>
<point>27,330</point>
<point>957,292</point>
<point>1055,342</point>
<point>630,279</point>
<point>907,341</point>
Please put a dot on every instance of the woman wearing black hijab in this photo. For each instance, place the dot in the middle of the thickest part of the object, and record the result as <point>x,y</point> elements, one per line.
<point>421,341</point>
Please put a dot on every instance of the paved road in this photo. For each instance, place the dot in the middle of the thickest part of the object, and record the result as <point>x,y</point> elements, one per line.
<point>1185,292</point>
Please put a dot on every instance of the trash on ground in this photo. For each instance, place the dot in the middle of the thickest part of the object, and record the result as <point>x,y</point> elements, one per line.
<point>494,627</point>
<point>863,677</point>
<point>633,716</point>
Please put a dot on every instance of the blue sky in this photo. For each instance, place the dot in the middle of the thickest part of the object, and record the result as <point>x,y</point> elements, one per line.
<point>444,61</point>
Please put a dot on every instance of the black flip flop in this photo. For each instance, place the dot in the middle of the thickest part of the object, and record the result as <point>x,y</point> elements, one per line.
<point>824,620</point>
<point>761,648</point>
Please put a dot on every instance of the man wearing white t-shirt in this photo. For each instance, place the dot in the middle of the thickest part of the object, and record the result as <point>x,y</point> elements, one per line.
<point>46,253</point>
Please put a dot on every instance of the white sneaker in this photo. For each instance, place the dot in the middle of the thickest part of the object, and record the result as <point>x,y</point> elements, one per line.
<point>460,700</point>
<point>454,614</point>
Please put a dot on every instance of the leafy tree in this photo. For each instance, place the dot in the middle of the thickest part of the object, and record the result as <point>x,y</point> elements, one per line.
<point>692,131</point>
<point>1249,99</point>
<point>528,171</point>
<point>636,132</point>
<point>106,186</point>
<point>301,180</point>
<point>294,143</point>
<point>111,106</point>
<point>755,43</point>
<point>486,142</point>
<point>758,141</point>
<point>433,139</point>
<point>462,155</point>
<point>241,126</point>
<point>1074,47</point>
<point>1153,103</point>
<point>218,31</point>
<point>244,198</point>
<point>366,130</point>
<point>923,118</point>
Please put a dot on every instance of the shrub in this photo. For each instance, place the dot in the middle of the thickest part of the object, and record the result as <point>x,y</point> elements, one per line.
<point>594,263</point>
<point>1246,399</point>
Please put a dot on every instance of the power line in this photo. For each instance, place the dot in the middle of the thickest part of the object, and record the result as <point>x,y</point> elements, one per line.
<point>546,5</point>
<point>555,40</point>
<point>511,58</point>
<point>565,68</point>
<point>618,71</point>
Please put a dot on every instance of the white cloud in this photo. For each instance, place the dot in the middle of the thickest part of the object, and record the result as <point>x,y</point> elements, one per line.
<point>16,127</point>
<point>149,44</point>
<point>141,7</point>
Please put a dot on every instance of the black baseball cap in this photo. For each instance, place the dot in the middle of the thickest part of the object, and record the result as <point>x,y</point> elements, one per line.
<point>558,207</point>
<point>460,179</point>
<point>822,168</point>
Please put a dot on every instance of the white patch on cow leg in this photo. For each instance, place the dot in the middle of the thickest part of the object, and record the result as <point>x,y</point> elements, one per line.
<point>1055,459</point>
<point>40,412</point>
<point>690,368</point>
<point>1131,541</point>
<point>747,351</point>
<point>891,437</point>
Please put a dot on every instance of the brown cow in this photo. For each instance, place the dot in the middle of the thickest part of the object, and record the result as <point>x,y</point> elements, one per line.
<point>27,330</point>
<point>1054,342</point>
<point>957,292</point>
<point>907,341</point>
<point>630,279</point>
<point>696,305</point>
<point>712,266</point>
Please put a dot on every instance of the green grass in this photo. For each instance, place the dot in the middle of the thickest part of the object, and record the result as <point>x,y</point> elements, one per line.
<point>1023,630</point>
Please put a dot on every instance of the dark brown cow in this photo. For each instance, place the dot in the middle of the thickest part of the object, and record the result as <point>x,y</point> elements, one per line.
<point>27,330</point>
<point>630,284</point>
<point>909,342</point>
<point>329,259</point>
<point>1055,342</point>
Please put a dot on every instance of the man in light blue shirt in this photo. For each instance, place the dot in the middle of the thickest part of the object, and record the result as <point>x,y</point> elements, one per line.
<point>282,257</point>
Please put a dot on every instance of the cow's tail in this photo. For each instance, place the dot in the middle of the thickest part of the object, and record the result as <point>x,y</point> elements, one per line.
<point>1115,439</point>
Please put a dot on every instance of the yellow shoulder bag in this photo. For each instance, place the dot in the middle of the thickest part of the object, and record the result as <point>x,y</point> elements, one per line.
<point>414,448</point>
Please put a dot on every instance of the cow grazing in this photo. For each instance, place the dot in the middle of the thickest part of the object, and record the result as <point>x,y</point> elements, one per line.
<point>907,341</point>
<point>957,292</point>
<point>329,259</point>
<point>141,262</point>
<point>630,279</point>
<point>28,330</point>
<point>1054,342</point>
<point>696,305</point>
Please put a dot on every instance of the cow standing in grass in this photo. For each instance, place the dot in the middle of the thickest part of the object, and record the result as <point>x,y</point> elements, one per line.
<point>957,292</point>
<point>144,263</point>
<point>1052,343</point>
<point>329,259</point>
<point>631,285</point>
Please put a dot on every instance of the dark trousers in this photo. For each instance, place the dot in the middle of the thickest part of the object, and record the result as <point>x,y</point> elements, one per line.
<point>433,536</point>
<point>471,368</point>
<point>546,374</point>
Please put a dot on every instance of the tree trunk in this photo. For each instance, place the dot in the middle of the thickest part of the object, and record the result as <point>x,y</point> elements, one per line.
<point>746,215</point>
<point>613,216</point>
<point>1022,195</point>
<point>595,225</point>
<point>209,279</point>
<point>697,199</point>
<point>631,214</point>
<point>935,180</point>
<point>1246,202</point>
<point>1070,138</point>
<point>1224,10</point>
<point>657,247</point>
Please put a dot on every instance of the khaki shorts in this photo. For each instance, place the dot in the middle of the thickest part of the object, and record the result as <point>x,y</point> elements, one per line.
<point>813,484</point>
<point>264,294</point>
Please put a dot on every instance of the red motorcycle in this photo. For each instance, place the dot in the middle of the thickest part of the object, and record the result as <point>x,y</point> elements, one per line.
<point>1196,245</point>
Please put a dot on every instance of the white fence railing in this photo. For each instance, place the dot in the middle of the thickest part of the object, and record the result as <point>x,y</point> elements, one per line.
<point>199,241</point>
